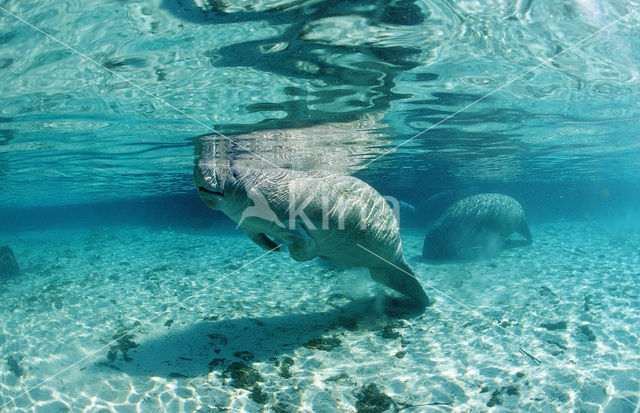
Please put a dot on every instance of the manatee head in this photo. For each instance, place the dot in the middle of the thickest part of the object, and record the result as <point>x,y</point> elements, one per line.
<point>211,183</point>
<point>220,186</point>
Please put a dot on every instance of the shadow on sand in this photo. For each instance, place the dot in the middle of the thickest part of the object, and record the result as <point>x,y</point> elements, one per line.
<point>207,346</point>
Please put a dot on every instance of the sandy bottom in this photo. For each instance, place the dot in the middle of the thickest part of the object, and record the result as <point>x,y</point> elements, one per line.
<point>549,327</point>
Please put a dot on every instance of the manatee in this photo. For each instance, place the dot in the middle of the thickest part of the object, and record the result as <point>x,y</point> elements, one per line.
<point>479,222</point>
<point>8,264</point>
<point>338,218</point>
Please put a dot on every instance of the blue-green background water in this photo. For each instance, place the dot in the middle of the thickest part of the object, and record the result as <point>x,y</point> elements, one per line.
<point>74,133</point>
<point>536,99</point>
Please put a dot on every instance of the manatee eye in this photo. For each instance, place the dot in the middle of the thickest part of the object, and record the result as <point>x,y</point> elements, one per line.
<point>234,173</point>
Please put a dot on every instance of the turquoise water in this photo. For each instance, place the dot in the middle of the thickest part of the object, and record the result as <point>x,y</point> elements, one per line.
<point>101,108</point>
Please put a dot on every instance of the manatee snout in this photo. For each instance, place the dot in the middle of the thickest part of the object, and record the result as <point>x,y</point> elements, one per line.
<point>209,187</point>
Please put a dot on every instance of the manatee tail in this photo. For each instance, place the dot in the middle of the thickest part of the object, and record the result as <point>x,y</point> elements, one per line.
<point>523,229</point>
<point>403,281</point>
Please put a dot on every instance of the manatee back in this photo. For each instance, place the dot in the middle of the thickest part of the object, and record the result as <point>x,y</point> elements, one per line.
<point>341,213</point>
<point>472,222</point>
<point>496,213</point>
<point>357,214</point>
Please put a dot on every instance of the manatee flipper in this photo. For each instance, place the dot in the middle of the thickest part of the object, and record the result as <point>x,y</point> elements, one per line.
<point>523,229</point>
<point>262,240</point>
<point>401,281</point>
<point>301,246</point>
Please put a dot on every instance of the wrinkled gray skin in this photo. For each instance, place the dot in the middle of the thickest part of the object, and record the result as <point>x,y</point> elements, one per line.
<point>232,189</point>
<point>480,221</point>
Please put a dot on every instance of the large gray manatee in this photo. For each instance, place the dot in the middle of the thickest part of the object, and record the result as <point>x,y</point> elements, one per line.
<point>480,221</point>
<point>335,217</point>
